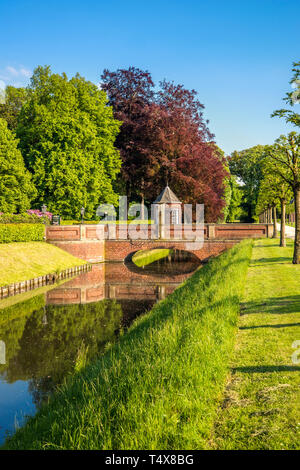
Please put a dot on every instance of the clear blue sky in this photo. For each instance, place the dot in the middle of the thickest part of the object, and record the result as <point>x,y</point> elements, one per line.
<point>236,54</point>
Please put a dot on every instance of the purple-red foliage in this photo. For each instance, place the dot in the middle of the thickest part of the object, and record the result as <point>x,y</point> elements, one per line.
<point>164,139</point>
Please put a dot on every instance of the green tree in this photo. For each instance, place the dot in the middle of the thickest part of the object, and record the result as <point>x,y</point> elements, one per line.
<point>11,105</point>
<point>233,211</point>
<point>291,98</point>
<point>273,190</point>
<point>227,194</point>
<point>67,134</point>
<point>16,188</point>
<point>285,156</point>
<point>246,165</point>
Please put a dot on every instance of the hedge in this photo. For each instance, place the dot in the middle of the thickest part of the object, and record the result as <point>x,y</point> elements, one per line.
<point>29,218</point>
<point>21,233</point>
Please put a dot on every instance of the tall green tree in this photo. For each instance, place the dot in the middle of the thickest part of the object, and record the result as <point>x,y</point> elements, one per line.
<point>291,98</point>
<point>67,134</point>
<point>285,156</point>
<point>233,210</point>
<point>11,105</point>
<point>273,190</point>
<point>16,188</point>
<point>246,165</point>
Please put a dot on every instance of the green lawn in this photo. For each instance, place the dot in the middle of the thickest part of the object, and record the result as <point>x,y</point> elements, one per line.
<point>261,408</point>
<point>160,386</point>
<point>22,261</point>
<point>145,257</point>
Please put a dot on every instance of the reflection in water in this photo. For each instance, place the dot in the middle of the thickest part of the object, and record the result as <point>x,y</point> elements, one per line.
<point>176,263</point>
<point>52,335</point>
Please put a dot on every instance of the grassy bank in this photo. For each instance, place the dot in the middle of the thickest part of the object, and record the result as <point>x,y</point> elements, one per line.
<point>145,257</point>
<point>22,261</point>
<point>160,386</point>
<point>261,409</point>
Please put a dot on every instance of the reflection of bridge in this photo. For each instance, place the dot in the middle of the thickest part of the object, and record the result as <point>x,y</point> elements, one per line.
<point>113,281</point>
<point>88,241</point>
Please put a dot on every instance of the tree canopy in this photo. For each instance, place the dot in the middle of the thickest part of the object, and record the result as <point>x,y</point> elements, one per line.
<point>291,98</point>
<point>247,166</point>
<point>164,140</point>
<point>67,134</point>
<point>10,108</point>
<point>16,188</point>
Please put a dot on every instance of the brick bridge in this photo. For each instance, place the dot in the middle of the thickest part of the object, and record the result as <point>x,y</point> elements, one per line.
<point>90,242</point>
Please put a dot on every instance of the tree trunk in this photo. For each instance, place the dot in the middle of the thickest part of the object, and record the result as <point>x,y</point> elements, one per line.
<point>282,224</point>
<point>296,257</point>
<point>275,234</point>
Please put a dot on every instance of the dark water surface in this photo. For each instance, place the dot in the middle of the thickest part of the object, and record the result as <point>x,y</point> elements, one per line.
<point>48,336</point>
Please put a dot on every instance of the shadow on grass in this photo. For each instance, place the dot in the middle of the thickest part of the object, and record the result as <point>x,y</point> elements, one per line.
<point>275,244</point>
<point>266,261</point>
<point>264,369</point>
<point>277,305</point>
<point>284,325</point>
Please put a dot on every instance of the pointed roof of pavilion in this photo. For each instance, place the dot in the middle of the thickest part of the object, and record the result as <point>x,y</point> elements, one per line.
<point>167,197</point>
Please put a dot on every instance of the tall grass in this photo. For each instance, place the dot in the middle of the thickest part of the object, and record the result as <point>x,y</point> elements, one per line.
<point>160,386</point>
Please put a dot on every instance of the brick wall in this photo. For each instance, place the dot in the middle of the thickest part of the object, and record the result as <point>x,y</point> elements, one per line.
<point>118,250</point>
<point>88,241</point>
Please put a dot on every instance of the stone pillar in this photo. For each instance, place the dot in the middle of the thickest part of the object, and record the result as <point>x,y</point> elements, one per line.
<point>211,231</point>
<point>161,292</point>
<point>82,232</point>
<point>162,221</point>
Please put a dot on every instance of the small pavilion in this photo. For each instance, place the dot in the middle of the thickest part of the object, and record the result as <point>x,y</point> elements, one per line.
<point>167,208</point>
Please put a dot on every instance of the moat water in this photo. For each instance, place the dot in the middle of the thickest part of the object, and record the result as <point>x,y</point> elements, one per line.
<point>48,336</point>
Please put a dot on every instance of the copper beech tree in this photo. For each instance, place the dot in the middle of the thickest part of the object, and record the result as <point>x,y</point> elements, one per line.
<point>164,139</point>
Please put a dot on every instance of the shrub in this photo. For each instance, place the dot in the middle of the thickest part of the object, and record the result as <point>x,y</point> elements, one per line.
<point>40,215</point>
<point>26,218</point>
<point>21,233</point>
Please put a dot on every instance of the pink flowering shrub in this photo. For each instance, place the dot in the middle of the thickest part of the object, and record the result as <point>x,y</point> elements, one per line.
<point>39,213</point>
<point>30,217</point>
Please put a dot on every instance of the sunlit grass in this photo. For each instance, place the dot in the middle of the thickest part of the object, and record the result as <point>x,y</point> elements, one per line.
<point>145,257</point>
<point>22,261</point>
<point>160,386</point>
<point>261,409</point>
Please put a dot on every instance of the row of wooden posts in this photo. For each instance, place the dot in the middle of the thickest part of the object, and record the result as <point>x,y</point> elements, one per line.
<point>24,286</point>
